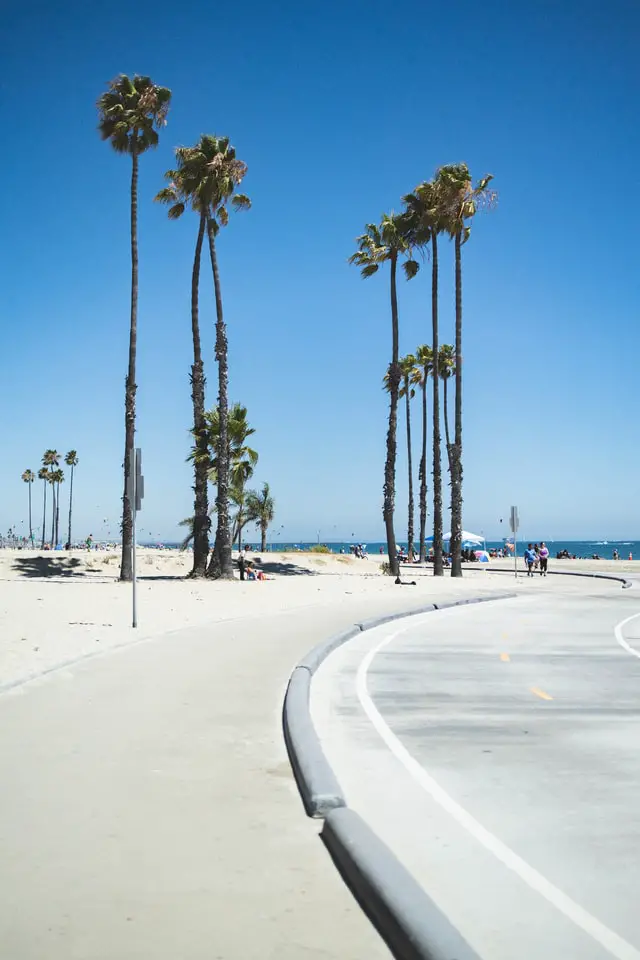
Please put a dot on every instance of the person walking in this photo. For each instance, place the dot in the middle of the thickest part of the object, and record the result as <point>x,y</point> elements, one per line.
<point>530,559</point>
<point>544,558</point>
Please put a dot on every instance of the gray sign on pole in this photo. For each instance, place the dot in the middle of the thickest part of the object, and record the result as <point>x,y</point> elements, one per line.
<point>514,520</point>
<point>139,484</point>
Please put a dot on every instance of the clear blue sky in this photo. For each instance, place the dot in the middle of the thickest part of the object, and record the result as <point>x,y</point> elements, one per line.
<point>338,109</point>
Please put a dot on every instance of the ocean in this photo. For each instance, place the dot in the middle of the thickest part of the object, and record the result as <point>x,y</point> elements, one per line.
<point>585,549</point>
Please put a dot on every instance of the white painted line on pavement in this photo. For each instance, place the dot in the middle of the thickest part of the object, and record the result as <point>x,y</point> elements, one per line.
<point>611,941</point>
<point>621,640</point>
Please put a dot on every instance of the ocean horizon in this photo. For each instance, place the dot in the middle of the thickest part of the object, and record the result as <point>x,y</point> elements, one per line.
<point>583,549</point>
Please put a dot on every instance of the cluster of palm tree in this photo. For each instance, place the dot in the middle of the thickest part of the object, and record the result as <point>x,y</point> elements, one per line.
<point>52,476</point>
<point>444,205</point>
<point>250,506</point>
<point>415,372</point>
<point>203,181</point>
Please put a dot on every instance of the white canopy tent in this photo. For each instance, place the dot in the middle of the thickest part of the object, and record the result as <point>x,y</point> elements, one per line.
<point>467,537</point>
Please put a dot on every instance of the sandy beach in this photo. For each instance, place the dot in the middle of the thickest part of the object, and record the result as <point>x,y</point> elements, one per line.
<point>56,608</point>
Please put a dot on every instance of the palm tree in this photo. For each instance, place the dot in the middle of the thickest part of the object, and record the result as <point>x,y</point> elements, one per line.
<point>71,460</point>
<point>176,195</point>
<point>460,200</point>
<point>407,367</point>
<point>447,368</point>
<point>419,377</point>
<point>57,477</point>
<point>210,174</point>
<point>29,476</point>
<point>43,474</point>
<point>261,509</point>
<point>51,459</point>
<point>378,245</point>
<point>130,113</point>
<point>424,224</point>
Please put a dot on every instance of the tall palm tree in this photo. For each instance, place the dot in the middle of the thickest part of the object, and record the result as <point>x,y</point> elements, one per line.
<point>177,196</point>
<point>29,476</point>
<point>51,459</point>
<point>43,474</point>
<point>460,201</point>
<point>424,224</point>
<point>419,377</point>
<point>210,174</point>
<point>261,508</point>
<point>57,478</point>
<point>131,111</point>
<point>385,243</point>
<point>71,460</point>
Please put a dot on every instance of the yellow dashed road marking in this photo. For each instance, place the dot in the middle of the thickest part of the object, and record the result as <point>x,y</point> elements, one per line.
<point>505,657</point>
<point>540,693</point>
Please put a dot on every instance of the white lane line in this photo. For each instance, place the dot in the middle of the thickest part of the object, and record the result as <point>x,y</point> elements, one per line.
<point>611,941</point>
<point>621,640</point>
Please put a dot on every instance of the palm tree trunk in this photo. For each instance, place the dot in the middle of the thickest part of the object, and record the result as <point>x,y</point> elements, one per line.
<point>410,469</point>
<point>456,475</point>
<point>53,514</point>
<point>389,490</point>
<point>423,475</point>
<point>30,522</point>
<point>438,568</point>
<point>201,522</point>
<point>126,572</point>
<point>220,565</point>
<point>263,537</point>
<point>446,423</point>
<point>57,514</point>
<point>44,512</point>
<point>70,506</point>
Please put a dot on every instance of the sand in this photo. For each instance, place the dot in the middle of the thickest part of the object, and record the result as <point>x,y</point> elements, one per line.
<point>58,607</point>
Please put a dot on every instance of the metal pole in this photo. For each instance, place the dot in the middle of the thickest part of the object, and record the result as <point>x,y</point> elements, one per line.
<point>133,468</point>
<point>515,554</point>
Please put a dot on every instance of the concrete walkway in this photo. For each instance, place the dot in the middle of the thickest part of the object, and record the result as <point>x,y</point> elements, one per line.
<point>147,808</point>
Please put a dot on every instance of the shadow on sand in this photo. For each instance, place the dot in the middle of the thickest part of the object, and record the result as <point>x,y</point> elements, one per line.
<point>48,567</point>
<point>283,569</point>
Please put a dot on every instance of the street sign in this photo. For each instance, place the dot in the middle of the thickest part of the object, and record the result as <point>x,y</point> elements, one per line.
<point>514,520</point>
<point>135,481</point>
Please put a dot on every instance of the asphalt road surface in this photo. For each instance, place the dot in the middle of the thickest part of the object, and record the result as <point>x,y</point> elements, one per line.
<point>496,749</point>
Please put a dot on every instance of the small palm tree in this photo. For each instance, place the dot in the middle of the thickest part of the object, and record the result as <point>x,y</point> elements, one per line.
<point>379,244</point>
<point>71,460</point>
<point>419,377</point>
<point>29,476</point>
<point>424,223</point>
<point>261,510</point>
<point>460,201</point>
<point>407,367</point>
<point>447,369</point>
<point>131,111</point>
<point>57,477</point>
<point>43,474</point>
<point>210,173</point>
<point>51,459</point>
<point>242,459</point>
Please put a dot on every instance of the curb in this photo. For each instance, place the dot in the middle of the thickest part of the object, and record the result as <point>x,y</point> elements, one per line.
<point>560,573</point>
<point>411,925</point>
<point>403,914</point>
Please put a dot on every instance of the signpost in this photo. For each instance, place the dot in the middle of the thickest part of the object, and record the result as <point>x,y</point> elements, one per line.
<point>514,523</point>
<point>135,492</point>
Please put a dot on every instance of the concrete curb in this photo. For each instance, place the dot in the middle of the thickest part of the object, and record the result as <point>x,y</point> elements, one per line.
<point>557,573</point>
<point>317,783</point>
<point>409,922</point>
<point>405,917</point>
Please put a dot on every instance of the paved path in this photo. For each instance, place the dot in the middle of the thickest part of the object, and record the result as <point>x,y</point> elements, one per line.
<point>496,749</point>
<point>147,808</point>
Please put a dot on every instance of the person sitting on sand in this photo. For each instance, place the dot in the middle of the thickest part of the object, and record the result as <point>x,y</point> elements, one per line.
<point>253,574</point>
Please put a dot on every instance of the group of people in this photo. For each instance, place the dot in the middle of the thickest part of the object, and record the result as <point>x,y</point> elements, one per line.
<point>536,557</point>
